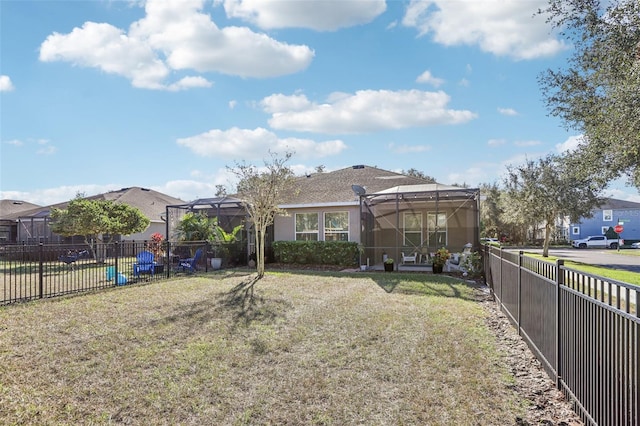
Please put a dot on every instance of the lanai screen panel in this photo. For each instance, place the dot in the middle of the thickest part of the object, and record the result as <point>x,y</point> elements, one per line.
<point>420,221</point>
<point>228,210</point>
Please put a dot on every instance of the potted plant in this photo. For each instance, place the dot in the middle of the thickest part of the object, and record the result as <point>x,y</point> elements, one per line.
<point>388,265</point>
<point>219,240</point>
<point>440,259</point>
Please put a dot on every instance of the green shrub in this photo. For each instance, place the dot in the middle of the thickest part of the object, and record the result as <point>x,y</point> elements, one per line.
<point>343,253</point>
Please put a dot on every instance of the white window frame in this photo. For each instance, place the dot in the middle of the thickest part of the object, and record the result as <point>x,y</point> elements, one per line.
<point>575,230</point>
<point>315,232</point>
<point>607,215</point>
<point>408,243</point>
<point>335,232</point>
<point>441,229</point>
<point>604,229</point>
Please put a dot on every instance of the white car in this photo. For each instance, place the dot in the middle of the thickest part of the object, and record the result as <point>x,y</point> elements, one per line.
<point>489,240</point>
<point>636,245</point>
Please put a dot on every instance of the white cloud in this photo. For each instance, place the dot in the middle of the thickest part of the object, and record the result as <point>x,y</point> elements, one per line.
<point>254,144</point>
<point>317,15</point>
<point>570,144</point>
<point>174,36</point>
<point>527,143</point>
<point>464,83</point>
<point>363,112</point>
<point>427,77</point>
<point>5,84</point>
<point>507,111</point>
<point>15,142</point>
<point>496,142</point>
<point>408,149</point>
<point>49,196</point>
<point>501,27</point>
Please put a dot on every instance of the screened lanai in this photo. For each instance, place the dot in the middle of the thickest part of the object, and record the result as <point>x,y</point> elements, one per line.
<point>417,220</point>
<point>228,210</point>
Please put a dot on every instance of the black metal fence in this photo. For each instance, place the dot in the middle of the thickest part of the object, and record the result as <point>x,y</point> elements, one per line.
<point>583,328</point>
<point>41,271</point>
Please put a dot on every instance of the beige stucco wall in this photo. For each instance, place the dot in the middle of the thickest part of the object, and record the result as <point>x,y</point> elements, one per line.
<point>285,226</point>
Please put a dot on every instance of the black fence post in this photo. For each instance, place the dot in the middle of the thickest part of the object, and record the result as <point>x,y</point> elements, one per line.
<point>167,259</point>
<point>559,283</point>
<point>115,263</point>
<point>520,258</point>
<point>40,271</point>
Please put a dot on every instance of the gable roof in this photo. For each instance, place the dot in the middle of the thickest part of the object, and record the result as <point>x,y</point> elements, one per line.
<point>614,204</point>
<point>334,188</point>
<point>11,207</point>
<point>151,203</point>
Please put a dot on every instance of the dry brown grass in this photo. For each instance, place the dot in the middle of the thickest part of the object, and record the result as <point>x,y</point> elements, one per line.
<point>306,349</point>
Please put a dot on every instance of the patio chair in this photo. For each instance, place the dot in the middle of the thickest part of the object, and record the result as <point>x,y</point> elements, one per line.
<point>144,264</point>
<point>412,257</point>
<point>189,264</point>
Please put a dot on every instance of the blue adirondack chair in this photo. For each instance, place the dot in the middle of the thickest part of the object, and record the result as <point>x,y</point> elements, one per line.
<point>144,264</point>
<point>189,264</point>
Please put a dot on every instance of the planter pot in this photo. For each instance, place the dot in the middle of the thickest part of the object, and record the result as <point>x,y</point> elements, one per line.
<point>437,269</point>
<point>216,263</point>
<point>388,267</point>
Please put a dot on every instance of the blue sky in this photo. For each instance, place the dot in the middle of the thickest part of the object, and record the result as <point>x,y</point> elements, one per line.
<point>100,95</point>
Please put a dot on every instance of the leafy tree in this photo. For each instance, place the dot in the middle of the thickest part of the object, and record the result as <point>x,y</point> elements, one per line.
<point>97,218</point>
<point>543,191</point>
<point>320,169</point>
<point>262,190</point>
<point>599,93</point>
<point>195,227</point>
<point>491,211</point>
<point>416,173</point>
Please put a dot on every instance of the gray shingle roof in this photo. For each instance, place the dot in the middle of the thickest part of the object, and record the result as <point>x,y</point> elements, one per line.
<point>614,204</point>
<point>151,203</point>
<point>335,187</point>
<point>11,207</point>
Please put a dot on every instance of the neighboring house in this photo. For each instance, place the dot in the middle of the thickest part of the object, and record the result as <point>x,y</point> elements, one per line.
<point>9,227</point>
<point>32,225</point>
<point>610,214</point>
<point>387,212</point>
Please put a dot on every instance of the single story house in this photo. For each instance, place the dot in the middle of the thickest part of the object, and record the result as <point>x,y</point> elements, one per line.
<point>8,226</point>
<point>610,214</point>
<point>32,225</point>
<point>388,213</point>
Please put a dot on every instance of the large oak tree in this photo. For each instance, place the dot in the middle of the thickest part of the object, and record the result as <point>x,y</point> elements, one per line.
<point>598,93</point>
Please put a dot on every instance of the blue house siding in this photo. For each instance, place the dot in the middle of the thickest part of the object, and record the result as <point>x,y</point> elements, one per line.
<point>605,217</point>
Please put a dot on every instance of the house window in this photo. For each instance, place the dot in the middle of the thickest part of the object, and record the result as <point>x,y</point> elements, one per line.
<point>604,229</point>
<point>607,215</point>
<point>575,230</point>
<point>437,229</point>
<point>336,226</point>
<point>307,226</point>
<point>412,227</point>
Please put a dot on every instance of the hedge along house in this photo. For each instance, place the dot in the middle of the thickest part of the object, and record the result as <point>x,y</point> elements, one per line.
<point>387,212</point>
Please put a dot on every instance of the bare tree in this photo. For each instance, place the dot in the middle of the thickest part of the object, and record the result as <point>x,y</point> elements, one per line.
<point>261,191</point>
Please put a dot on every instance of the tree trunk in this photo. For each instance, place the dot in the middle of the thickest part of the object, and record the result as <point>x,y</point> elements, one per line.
<point>260,251</point>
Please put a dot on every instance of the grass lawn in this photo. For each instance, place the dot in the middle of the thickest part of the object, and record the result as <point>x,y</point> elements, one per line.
<point>615,274</point>
<point>307,349</point>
